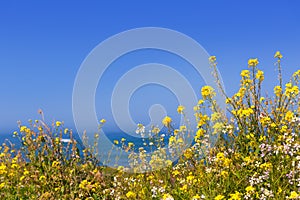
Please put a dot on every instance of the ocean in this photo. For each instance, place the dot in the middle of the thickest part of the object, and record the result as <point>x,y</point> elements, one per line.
<point>115,156</point>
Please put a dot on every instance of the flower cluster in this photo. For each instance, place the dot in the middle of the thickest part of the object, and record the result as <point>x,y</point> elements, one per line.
<point>250,152</point>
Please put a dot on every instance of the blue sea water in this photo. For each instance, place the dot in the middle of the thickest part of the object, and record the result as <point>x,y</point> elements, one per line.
<point>114,157</point>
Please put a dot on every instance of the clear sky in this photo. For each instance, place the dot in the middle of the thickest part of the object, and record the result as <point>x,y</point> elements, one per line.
<point>43,43</point>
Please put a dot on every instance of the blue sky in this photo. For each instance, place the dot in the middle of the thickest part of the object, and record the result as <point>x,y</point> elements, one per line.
<point>43,43</point>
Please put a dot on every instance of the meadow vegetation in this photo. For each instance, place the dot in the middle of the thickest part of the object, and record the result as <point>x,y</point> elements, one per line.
<point>256,153</point>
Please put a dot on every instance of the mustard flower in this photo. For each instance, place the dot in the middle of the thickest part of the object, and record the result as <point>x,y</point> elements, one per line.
<point>200,132</point>
<point>3,169</point>
<point>180,109</point>
<point>250,189</point>
<point>42,178</point>
<point>167,197</point>
<point>167,121</point>
<point>130,144</point>
<point>294,195</point>
<point>23,129</point>
<point>175,172</point>
<point>83,185</point>
<point>235,196</point>
<point>290,90</point>
<point>58,123</point>
<point>215,116</point>
<point>245,74</point>
<point>278,55</point>
<point>116,142</point>
<point>188,153</point>
<point>200,102</point>
<point>253,62</point>
<point>212,59</point>
<point>66,130</point>
<point>277,90</point>
<point>219,197</point>
<point>196,197</point>
<point>297,73</point>
<point>207,92</point>
<point>220,156</point>
<point>131,194</point>
<point>260,75</point>
<point>55,164</point>
<point>289,116</point>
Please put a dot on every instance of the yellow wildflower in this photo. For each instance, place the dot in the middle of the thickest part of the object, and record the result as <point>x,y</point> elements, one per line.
<point>283,129</point>
<point>102,121</point>
<point>200,102</point>
<point>250,189</point>
<point>131,194</point>
<point>278,55</point>
<point>14,166</point>
<point>290,90</point>
<point>3,169</point>
<point>241,92</point>
<point>228,100</point>
<point>66,131</point>
<point>58,123</point>
<point>57,140</point>
<point>294,195</point>
<point>42,178</point>
<point>167,197</point>
<point>245,74</point>
<point>218,127</point>
<point>265,120</point>
<point>199,133</point>
<point>196,197</point>
<point>207,92</point>
<point>23,128</point>
<point>226,162</point>
<point>224,174</point>
<point>212,59</point>
<point>260,75</point>
<point>26,172</point>
<point>175,172</point>
<point>55,164</point>
<point>253,62</point>
<point>245,112</point>
<point>219,197</point>
<point>190,178</point>
<point>196,108</point>
<point>83,184</point>
<point>215,116</point>
<point>296,73</point>
<point>182,128</point>
<point>184,188</point>
<point>130,144</point>
<point>202,119</point>
<point>235,196</point>
<point>188,153</point>
<point>180,109</point>
<point>167,121</point>
<point>289,116</point>
<point>116,142</point>
<point>220,156</point>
